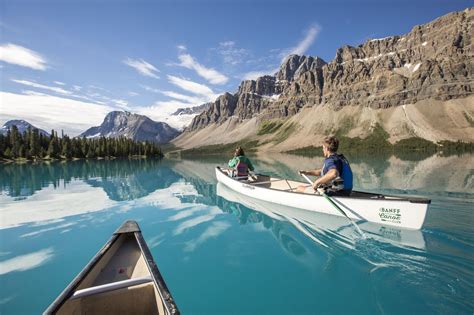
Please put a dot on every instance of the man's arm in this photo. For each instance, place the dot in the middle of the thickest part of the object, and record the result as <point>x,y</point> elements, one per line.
<point>316,172</point>
<point>327,178</point>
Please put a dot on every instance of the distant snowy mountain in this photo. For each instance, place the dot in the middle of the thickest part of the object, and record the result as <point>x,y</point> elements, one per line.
<point>192,110</point>
<point>132,126</point>
<point>22,126</point>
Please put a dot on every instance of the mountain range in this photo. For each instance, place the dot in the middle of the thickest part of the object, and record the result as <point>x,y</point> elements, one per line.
<point>419,84</point>
<point>416,85</point>
<point>132,126</point>
<point>115,124</point>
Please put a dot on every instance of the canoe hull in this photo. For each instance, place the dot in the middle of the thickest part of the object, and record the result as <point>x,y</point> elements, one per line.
<point>397,212</point>
<point>122,278</point>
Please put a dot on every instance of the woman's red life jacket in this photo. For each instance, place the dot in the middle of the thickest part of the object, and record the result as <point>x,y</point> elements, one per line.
<point>242,169</point>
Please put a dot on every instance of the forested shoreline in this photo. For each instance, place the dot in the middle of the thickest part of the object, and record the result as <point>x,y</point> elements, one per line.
<point>32,145</point>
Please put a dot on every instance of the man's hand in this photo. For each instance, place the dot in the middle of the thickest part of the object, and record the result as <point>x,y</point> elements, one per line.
<point>302,172</point>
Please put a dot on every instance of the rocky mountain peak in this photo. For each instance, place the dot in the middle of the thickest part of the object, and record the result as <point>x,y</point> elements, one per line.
<point>132,126</point>
<point>293,65</point>
<point>433,61</point>
<point>21,125</point>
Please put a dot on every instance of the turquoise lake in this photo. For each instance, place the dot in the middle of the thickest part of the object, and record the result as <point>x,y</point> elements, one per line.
<point>218,256</point>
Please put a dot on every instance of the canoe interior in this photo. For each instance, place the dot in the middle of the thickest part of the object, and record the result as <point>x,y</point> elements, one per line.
<point>122,261</point>
<point>265,181</point>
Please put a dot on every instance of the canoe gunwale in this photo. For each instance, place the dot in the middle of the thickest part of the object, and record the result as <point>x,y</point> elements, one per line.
<point>163,290</point>
<point>71,288</point>
<point>127,227</point>
<point>356,194</point>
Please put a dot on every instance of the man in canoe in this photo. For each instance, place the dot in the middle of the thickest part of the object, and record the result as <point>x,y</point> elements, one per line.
<point>241,164</point>
<point>336,173</point>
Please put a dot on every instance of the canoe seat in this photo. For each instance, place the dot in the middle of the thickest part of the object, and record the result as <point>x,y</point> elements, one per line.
<point>138,299</point>
<point>110,287</point>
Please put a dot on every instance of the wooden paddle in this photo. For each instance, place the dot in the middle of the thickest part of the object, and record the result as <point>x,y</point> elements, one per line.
<point>321,192</point>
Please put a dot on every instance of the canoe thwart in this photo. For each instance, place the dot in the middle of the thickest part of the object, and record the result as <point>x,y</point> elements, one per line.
<point>110,287</point>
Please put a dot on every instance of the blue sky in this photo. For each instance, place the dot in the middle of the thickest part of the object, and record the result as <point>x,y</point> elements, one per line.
<point>65,64</point>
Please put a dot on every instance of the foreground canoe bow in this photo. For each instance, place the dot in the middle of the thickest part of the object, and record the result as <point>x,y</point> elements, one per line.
<point>122,278</point>
<point>404,212</point>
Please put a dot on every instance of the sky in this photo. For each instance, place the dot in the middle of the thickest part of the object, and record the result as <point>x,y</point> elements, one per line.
<point>65,64</point>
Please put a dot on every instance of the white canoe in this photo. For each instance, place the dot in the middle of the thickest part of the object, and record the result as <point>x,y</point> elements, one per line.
<point>122,278</point>
<point>404,212</point>
<point>315,225</point>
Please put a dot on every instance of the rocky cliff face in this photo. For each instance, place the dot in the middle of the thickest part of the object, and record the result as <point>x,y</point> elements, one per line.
<point>433,61</point>
<point>132,126</point>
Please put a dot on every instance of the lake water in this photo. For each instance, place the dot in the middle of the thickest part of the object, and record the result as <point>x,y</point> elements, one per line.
<point>219,256</point>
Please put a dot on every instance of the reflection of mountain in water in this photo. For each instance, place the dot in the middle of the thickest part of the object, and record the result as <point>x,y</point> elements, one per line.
<point>202,176</point>
<point>140,183</point>
<point>121,179</point>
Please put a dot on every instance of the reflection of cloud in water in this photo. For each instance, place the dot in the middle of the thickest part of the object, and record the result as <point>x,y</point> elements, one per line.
<point>211,214</point>
<point>183,214</point>
<point>168,198</point>
<point>214,230</point>
<point>156,240</point>
<point>26,262</point>
<point>47,222</point>
<point>6,300</point>
<point>52,204</point>
<point>48,229</point>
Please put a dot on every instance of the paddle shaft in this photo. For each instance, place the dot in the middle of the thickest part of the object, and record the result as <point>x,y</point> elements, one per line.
<point>334,204</point>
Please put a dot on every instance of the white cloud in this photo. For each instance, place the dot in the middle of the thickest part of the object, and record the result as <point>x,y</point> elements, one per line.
<point>181,47</point>
<point>142,67</point>
<point>53,112</point>
<point>44,87</point>
<point>252,75</point>
<point>192,100</point>
<point>190,86</point>
<point>212,231</point>
<point>77,88</point>
<point>59,83</point>
<point>211,75</point>
<point>22,56</point>
<point>26,262</point>
<point>150,89</point>
<point>230,54</point>
<point>305,43</point>
<point>162,110</point>
<point>133,94</point>
<point>299,49</point>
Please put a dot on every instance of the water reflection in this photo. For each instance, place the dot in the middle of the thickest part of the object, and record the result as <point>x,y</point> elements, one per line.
<point>55,216</point>
<point>121,179</point>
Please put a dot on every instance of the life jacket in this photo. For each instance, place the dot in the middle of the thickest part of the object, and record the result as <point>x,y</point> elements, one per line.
<point>242,169</point>
<point>345,179</point>
<point>346,175</point>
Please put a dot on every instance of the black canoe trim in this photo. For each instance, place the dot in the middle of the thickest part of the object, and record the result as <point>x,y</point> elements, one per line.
<point>163,290</point>
<point>127,227</point>
<point>354,195</point>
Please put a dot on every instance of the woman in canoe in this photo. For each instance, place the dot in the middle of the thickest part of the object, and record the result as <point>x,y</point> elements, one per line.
<point>336,173</point>
<point>241,164</point>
